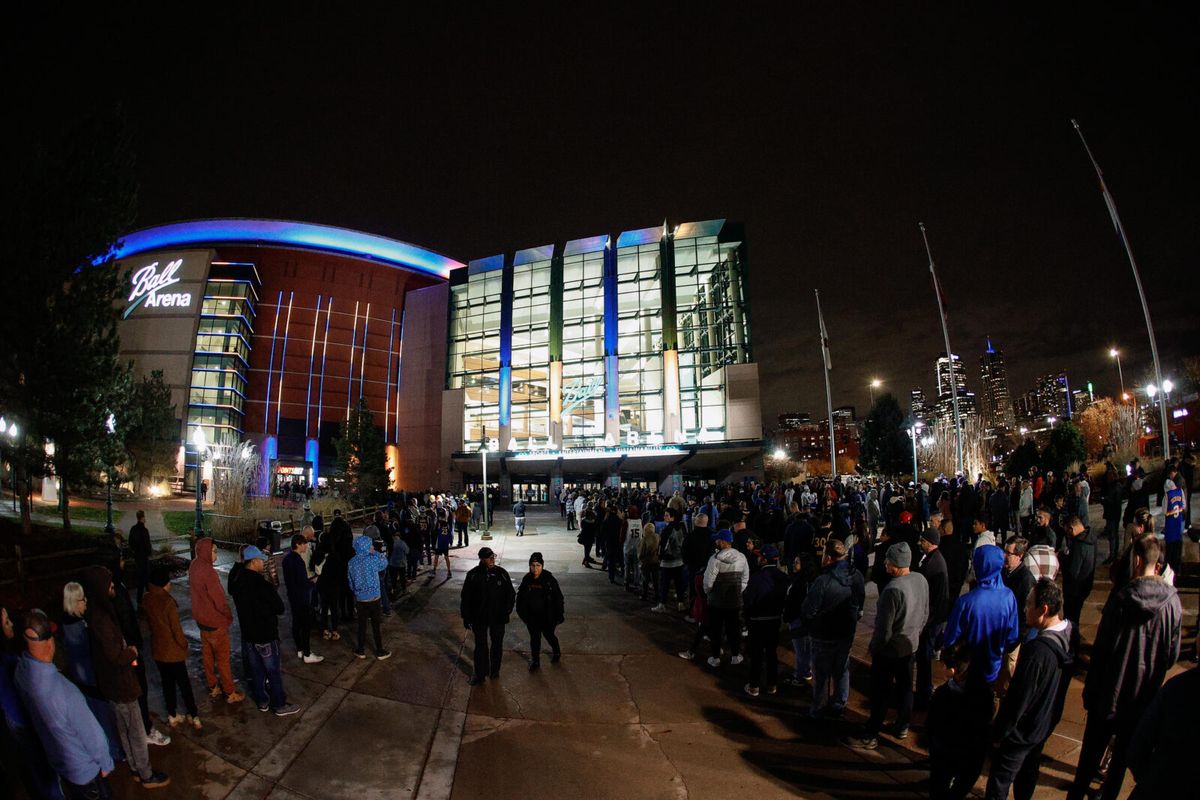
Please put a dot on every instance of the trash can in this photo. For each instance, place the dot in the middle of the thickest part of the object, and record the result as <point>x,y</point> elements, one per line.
<point>272,529</point>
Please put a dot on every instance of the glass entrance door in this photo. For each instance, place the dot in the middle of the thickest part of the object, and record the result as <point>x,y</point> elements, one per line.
<point>532,490</point>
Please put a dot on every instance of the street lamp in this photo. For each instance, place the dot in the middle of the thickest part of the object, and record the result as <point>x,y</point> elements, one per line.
<point>12,432</point>
<point>913,433</point>
<point>1052,420</point>
<point>201,444</point>
<point>780,454</point>
<point>1115,353</point>
<point>875,384</point>
<point>111,425</point>
<point>483,451</point>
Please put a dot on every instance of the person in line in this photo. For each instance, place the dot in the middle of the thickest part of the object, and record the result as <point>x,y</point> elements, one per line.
<point>1136,643</point>
<point>1078,571</point>
<point>952,726</point>
<point>613,531</point>
<point>1026,715</point>
<point>127,618</point>
<point>258,609</point>
<point>299,593</point>
<point>398,566</point>
<point>804,572</point>
<point>648,560</point>
<point>933,567</point>
<point>363,575</point>
<point>900,616</point>
<point>633,540</point>
<point>763,600</point>
<point>831,609</point>
<point>38,777</point>
<point>170,648</point>
<point>341,543</point>
<point>1165,741</point>
<point>486,604</point>
<point>462,518</point>
<point>441,550</point>
<point>725,579</point>
<point>1020,581</point>
<point>540,606</point>
<point>140,548</point>
<point>213,617</point>
<point>77,649</point>
<point>114,660</point>
<point>73,741</point>
<point>670,561</point>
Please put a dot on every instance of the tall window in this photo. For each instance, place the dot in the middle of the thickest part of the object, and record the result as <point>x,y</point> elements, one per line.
<point>640,342</point>
<point>531,354</point>
<point>583,350</point>
<point>711,319</point>
<point>475,354</point>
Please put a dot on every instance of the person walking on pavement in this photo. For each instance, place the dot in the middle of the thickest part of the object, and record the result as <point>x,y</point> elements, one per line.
<point>213,617</point>
<point>540,606</point>
<point>900,616</point>
<point>519,516</point>
<point>139,546</point>
<point>258,609</point>
<point>487,602</point>
<point>831,610</point>
<point>363,575</point>
<point>115,662</point>
<point>299,592</point>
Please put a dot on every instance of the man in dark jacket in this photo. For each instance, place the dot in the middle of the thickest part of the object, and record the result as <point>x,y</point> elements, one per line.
<point>798,535</point>
<point>299,592</point>
<point>1136,643</point>
<point>1026,715</point>
<point>131,629</point>
<point>1165,741</point>
<point>831,610</point>
<point>933,566</point>
<point>139,546</point>
<point>258,608</point>
<point>697,547</point>
<point>762,603</point>
<point>1078,569</point>
<point>113,660</point>
<point>1019,580</point>
<point>341,542</point>
<point>487,602</point>
<point>540,605</point>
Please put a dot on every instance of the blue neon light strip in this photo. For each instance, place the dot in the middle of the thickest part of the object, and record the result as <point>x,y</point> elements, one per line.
<point>387,387</point>
<point>271,365</point>
<point>399,364</point>
<point>350,374</point>
<point>362,367</point>
<point>324,351</point>
<point>285,234</point>
<point>283,359</point>
<point>312,352</point>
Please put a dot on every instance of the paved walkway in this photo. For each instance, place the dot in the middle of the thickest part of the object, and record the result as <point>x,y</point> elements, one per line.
<point>621,716</point>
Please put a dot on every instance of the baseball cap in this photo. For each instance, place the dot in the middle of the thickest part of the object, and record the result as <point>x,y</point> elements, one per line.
<point>906,516</point>
<point>932,535</point>
<point>725,535</point>
<point>770,552</point>
<point>251,552</point>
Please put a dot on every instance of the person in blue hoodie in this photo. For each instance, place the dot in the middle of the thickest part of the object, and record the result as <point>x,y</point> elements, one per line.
<point>363,573</point>
<point>985,622</point>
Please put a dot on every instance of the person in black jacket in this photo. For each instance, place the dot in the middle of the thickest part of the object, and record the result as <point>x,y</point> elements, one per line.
<point>139,547</point>
<point>697,547</point>
<point>1026,715</point>
<point>299,592</point>
<point>933,566</point>
<point>762,604</point>
<point>540,606</point>
<point>341,542</point>
<point>1165,741</point>
<point>487,602</point>
<point>258,608</point>
<point>1019,580</point>
<point>831,610</point>
<point>1078,571</point>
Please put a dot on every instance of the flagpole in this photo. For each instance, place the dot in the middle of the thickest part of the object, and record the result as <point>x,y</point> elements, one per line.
<point>937,290</point>
<point>1137,278</point>
<point>828,393</point>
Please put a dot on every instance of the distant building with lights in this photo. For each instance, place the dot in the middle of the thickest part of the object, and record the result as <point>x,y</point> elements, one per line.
<point>997,405</point>
<point>943,407</point>
<point>792,420</point>
<point>917,406</point>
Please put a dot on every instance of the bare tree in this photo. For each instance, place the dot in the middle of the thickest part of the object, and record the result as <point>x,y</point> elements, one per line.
<point>1124,433</point>
<point>233,476</point>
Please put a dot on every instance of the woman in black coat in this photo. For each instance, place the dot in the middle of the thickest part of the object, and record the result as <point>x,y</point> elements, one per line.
<point>540,607</point>
<point>587,533</point>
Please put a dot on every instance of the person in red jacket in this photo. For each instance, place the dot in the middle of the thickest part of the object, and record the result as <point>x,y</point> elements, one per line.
<point>211,611</point>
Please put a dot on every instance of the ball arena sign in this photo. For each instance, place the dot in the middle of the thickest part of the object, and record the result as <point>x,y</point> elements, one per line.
<point>148,285</point>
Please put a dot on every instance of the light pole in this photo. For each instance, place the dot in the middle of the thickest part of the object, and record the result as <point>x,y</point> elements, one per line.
<point>875,384</point>
<point>111,425</point>
<point>1115,353</point>
<point>12,432</point>
<point>201,444</point>
<point>1052,420</point>
<point>914,433</point>
<point>483,451</point>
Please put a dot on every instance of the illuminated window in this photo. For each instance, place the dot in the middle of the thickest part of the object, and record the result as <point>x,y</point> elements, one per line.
<point>583,350</point>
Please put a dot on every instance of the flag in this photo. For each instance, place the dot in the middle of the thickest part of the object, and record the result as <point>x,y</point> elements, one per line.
<point>824,337</point>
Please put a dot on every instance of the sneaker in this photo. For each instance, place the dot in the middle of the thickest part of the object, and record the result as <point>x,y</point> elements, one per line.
<point>264,708</point>
<point>214,692</point>
<point>750,690</point>
<point>176,719</point>
<point>861,742</point>
<point>157,780</point>
<point>387,613</point>
<point>383,655</point>
<point>687,655</point>
<point>300,654</point>
<point>196,723</point>
<point>792,680</point>
<point>689,619</point>
<point>360,653</point>
<point>313,658</point>
<point>714,662</point>
<point>236,697</point>
<point>287,711</point>
<point>659,609</point>
<point>897,731</point>
<point>772,689</point>
<point>157,738</point>
<point>736,660</point>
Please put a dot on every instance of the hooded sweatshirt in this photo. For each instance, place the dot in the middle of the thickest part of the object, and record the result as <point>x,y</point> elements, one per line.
<point>162,615</point>
<point>1026,714</point>
<point>1079,564</point>
<point>363,570</point>
<point>725,578</point>
<point>985,617</point>
<point>900,616</point>
<point>210,609</point>
<point>834,602</point>
<point>1136,643</point>
<point>111,657</point>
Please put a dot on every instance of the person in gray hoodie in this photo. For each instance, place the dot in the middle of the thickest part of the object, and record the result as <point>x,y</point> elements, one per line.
<point>900,616</point>
<point>831,610</point>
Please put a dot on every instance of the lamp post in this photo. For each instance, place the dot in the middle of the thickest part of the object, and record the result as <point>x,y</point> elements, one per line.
<point>875,384</point>
<point>12,433</point>
<point>913,433</point>
<point>201,444</point>
<point>1115,353</point>
<point>483,451</point>
<point>111,425</point>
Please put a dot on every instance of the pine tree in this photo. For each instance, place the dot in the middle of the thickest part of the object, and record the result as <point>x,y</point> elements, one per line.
<point>362,456</point>
<point>885,447</point>
<point>149,429</point>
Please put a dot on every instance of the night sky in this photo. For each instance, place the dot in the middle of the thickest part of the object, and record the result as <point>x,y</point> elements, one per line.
<point>829,134</point>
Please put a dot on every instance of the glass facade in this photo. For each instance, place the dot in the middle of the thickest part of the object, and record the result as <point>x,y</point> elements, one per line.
<point>659,313</point>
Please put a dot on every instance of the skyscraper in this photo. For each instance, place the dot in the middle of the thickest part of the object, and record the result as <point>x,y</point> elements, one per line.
<point>997,404</point>
<point>918,406</point>
<point>943,407</point>
<point>942,368</point>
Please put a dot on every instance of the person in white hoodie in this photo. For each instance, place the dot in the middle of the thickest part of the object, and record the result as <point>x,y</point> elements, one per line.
<point>725,578</point>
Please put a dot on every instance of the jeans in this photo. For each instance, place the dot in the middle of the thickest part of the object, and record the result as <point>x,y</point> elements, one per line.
<point>96,789</point>
<point>520,524</point>
<point>614,563</point>
<point>464,538</point>
<point>263,660</point>
<point>331,610</point>
<point>831,672</point>
<point>1112,532</point>
<point>385,602</point>
<point>631,570</point>
<point>764,651</point>
<point>725,621</point>
<point>370,610</point>
<point>802,651</point>
<point>174,676</point>
<point>302,619</point>
<point>668,575</point>
<point>890,674</point>
<point>930,637</point>
<point>133,737</point>
<point>36,773</point>
<point>1095,741</point>
<point>103,712</point>
<point>414,559</point>
<point>487,660</point>
<point>536,632</point>
<point>1014,766</point>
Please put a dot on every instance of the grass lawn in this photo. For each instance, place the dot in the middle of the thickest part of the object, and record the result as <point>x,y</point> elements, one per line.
<point>80,513</point>
<point>181,523</point>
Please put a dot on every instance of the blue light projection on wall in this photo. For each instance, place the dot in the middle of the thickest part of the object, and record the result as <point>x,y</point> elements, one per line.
<point>287,234</point>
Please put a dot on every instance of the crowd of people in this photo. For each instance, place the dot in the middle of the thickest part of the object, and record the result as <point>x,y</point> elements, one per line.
<point>743,565</point>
